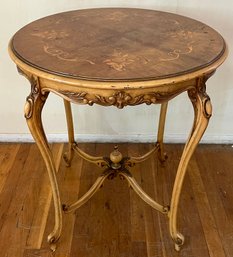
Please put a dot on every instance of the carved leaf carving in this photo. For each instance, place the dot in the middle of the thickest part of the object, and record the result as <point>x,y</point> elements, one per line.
<point>120,99</point>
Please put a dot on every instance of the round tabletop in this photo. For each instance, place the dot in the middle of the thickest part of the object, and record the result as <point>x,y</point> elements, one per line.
<point>117,44</point>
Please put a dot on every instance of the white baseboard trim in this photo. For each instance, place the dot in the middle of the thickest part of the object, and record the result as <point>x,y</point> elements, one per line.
<point>170,138</point>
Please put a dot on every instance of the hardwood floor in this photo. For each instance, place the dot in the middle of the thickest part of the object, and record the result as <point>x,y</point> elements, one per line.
<point>115,222</point>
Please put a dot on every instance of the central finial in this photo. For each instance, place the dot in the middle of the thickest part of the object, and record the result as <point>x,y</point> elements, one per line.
<point>116,158</point>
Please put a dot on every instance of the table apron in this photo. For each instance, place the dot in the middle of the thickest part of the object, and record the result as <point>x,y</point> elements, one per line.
<point>115,97</point>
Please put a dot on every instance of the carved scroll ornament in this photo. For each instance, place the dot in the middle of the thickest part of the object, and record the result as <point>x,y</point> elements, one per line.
<point>34,94</point>
<point>120,99</point>
<point>28,107</point>
<point>200,92</point>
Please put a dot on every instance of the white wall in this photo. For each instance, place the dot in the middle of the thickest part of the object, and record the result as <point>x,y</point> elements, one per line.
<point>101,123</point>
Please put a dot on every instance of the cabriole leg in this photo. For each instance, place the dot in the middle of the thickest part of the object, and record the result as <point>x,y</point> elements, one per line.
<point>202,112</point>
<point>161,154</point>
<point>33,108</point>
<point>68,156</point>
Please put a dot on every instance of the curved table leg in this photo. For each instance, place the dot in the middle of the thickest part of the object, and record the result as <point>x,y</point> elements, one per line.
<point>68,156</point>
<point>163,110</point>
<point>202,111</point>
<point>33,108</point>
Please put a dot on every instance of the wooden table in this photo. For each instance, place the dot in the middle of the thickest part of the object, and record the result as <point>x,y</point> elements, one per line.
<point>117,57</point>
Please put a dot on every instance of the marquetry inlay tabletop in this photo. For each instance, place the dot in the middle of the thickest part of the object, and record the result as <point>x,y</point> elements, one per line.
<point>118,44</point>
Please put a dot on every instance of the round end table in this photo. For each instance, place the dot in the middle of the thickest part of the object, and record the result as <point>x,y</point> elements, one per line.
<point>117,57</point>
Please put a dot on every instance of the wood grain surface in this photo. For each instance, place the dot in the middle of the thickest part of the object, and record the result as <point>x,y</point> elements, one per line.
<point>115,44</point>
<point>115,222</point>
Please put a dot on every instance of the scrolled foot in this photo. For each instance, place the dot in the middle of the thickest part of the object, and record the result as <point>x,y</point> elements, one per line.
<point>52,240</point>
<point>53,247</point>
<point>179,241</point>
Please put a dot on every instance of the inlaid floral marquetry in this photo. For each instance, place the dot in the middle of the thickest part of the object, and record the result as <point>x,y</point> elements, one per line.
<point>118,44</point>
<point>119,60</point>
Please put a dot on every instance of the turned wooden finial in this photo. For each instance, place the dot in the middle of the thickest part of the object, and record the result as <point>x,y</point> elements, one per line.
<point>116,158</point>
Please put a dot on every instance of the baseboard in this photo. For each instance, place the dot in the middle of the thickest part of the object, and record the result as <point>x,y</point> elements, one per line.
<point>169,138</point>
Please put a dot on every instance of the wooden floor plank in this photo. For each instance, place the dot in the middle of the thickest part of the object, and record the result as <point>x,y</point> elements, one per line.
<point>8,154</point>
<point>154,243</point>
<point>208,224</point>
<point>22,205</point>
<point>116,222</point>
<point>12,200</point>
<point>216,175</point>
<point>116,225</point>
<point>7,194</point>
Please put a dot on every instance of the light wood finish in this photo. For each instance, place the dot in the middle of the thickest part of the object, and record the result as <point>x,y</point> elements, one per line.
<point>116,221</point>
<point>70,127</point>
<point>162,118</point>
<point>87,196</point>
<point>141,56</point>
<point>37,131</point>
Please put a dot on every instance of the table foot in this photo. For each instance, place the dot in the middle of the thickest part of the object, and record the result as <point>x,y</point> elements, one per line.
<point>52,241</point>
<point>53,247</point>
<point>179,241</point>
